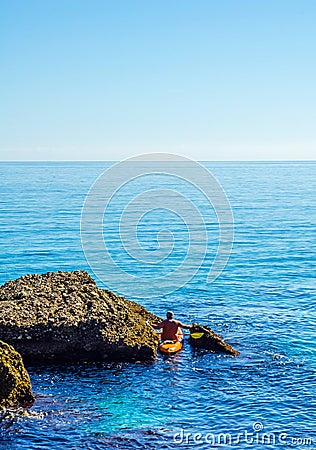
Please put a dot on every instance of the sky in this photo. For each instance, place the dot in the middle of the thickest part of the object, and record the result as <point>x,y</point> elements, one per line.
<point>206,79</point>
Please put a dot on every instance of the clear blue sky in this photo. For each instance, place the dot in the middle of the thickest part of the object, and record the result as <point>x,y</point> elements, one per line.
<point>209,79</point>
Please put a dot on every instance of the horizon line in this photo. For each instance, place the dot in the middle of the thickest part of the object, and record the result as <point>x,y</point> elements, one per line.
<point>124,159</point>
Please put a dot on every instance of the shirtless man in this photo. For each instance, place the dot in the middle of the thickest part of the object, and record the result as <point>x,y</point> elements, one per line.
<point>170,327</point>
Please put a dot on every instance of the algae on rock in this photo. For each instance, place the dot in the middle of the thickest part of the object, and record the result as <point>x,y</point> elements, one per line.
<point>65,317</point>
<point>209,340</point>
<point>15,385</point>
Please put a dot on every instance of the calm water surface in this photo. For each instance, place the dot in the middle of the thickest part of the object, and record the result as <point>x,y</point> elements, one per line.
<point>263,304</point>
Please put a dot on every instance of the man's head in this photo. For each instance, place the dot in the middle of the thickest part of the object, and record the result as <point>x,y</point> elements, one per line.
<point>170,315</point>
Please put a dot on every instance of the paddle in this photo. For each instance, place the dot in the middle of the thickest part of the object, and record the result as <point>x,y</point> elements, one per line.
<point>196,335</point>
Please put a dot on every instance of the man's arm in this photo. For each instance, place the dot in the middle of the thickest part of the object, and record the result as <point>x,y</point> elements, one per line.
<point>157,326</point>
<point>187,327</point>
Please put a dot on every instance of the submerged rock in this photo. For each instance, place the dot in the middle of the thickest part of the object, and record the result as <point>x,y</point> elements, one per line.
<point>209,340</point>
<point>15,385</point>
<point>65,317</point>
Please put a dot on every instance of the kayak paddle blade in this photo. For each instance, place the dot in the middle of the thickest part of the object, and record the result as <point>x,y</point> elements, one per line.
<point>196,335</point>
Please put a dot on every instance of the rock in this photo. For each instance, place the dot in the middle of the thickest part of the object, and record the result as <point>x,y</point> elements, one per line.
<point>210,341</point>
<point>15,385</point>
<point>64,317</point>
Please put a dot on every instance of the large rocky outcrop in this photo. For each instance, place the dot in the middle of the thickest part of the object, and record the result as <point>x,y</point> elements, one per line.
<point>209,340</point>
<point>64,317</point>
<point>15,385</point>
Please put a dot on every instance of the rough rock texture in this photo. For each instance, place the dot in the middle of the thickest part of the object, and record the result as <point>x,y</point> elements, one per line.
<point>15,385</point>
<point>64,317</point>
<point>210,341</point>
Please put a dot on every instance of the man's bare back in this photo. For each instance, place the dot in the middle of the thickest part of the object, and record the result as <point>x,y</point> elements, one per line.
<point>170,328</point>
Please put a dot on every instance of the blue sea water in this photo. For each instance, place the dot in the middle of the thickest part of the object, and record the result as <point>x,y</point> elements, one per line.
<point>263,304</point>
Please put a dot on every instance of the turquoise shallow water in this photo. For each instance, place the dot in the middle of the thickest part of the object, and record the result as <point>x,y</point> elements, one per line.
<point>263,304</point>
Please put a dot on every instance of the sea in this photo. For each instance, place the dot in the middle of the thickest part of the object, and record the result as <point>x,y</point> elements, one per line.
<point>262,302</point>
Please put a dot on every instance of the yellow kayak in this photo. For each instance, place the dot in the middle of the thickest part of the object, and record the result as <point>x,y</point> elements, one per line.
<point>171,347</point>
